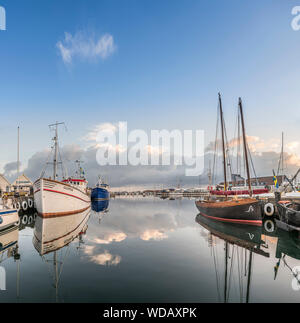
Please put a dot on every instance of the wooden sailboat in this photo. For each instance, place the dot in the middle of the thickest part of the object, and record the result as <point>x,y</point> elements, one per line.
<point>234,210</point>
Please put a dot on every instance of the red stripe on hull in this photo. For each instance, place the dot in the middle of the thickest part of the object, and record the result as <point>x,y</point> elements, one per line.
<point>250,222</point>
<point>62,193</point>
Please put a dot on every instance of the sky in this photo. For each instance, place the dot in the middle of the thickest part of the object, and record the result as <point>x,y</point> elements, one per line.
<point>154,64</point>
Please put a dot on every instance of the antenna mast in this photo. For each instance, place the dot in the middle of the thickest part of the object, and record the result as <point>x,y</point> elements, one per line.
<point>55,139</point>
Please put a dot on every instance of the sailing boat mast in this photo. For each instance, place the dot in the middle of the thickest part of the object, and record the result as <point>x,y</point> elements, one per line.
<point>282,161</point>
<point>223,141</point>
<point>245,146</point>
<point>18,161</point>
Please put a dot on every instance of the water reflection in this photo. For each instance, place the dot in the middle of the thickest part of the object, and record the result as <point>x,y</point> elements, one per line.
<point>9,248</point>
<point>53,236</point>
<point>100,206</point>
<point>9,243</point>
<point>148,250</point>
<point>287,246</point>
<point>240,242</point>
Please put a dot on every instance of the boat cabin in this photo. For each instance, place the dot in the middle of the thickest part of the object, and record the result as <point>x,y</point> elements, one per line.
<point>79,183</point>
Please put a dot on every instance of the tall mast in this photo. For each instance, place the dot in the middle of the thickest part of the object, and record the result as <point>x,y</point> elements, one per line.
<point>55,148</point>
<point>245,146</point>
<point>209,174</point>
<point>282,161</point>
<point>223,141</point>
<point>18,160</point>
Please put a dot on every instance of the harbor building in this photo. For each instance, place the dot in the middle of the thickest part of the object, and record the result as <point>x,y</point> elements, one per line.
<point>5,185</point>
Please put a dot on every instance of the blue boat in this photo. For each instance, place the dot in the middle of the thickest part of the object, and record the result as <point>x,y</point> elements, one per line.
<point>100,192</point>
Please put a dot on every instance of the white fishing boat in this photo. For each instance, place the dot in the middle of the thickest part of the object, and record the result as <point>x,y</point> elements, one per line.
<point>9,217</point>
<point>55,198</point>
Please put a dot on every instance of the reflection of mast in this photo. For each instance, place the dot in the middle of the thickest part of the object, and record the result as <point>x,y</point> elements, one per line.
<point>249,276</point>
<point>17,258</point>
<point>56,275</point>
<point>57,272</point>
<point>226,270</point>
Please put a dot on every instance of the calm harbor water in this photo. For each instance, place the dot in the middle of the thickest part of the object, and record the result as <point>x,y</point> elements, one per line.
<point>148,250</point>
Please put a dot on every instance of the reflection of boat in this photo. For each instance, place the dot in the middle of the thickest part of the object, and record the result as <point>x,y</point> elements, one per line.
<point>176,193</point>
<point>8,242</point>
<point>100,206</point>
<point>238,210</point>
<point>9,248</point>
<point>240,242</point>
<point>100,192</point>
<point>53,236</point>
<point>248,237</point>
<point>288,245</point>
<point>59,198</point>
<point>8,217</point>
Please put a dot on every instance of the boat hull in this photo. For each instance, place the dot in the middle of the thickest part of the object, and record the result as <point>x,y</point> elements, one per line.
<point>244,211</point>
<point>53,198</point>
<point>288,215</point>
<point>8,218</point>
<point>100,194</point>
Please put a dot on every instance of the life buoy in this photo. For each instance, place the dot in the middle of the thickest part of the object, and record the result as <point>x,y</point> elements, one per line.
<point>269,209</point>
<point>269,226</point>
<point>18,206</point>
<point>24,205</point>
<point>35,215</point>
<point>30,219</point>
<point>24,219</point>
<point>30,203</point>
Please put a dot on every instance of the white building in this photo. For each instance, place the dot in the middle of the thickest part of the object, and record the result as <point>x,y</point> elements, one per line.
<point>5,185</point>
<point>22,183</point>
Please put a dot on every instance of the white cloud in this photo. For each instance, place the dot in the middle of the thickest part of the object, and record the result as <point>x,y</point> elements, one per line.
<point>104,259</point>
<point>153,235</point>
<point>111,237</point>
<point>107,128</point>
<point>86,46</point>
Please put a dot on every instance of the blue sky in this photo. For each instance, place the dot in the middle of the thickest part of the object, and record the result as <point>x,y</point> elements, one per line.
<point>171,58</point>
